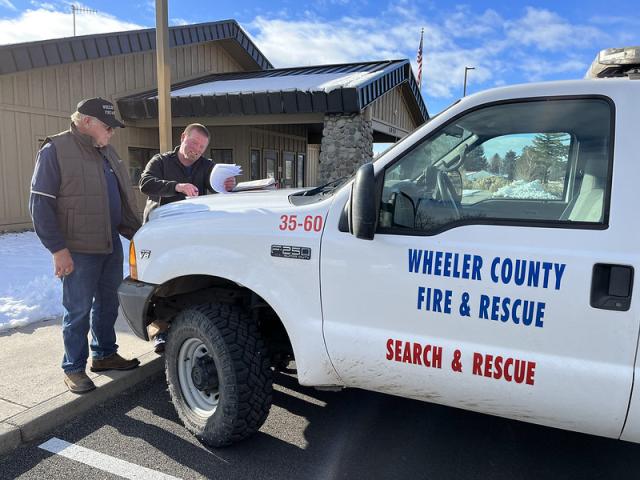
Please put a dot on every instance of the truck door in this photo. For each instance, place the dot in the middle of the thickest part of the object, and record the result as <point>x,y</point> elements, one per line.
<point>495,281</point>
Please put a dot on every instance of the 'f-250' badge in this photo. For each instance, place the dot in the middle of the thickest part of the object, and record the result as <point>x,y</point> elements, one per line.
<point>289,251</point>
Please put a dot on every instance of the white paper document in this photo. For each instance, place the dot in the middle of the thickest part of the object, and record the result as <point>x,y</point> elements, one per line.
<point>262,184</point>
<point>222,171</point>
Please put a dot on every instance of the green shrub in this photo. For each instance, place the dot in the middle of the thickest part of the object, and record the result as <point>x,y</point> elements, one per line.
<point>492,184</point>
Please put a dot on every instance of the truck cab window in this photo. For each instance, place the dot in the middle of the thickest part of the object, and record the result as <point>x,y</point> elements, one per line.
<point>526,163</point>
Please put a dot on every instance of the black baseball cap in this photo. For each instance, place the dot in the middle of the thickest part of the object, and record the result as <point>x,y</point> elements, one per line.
<point>101,109</point>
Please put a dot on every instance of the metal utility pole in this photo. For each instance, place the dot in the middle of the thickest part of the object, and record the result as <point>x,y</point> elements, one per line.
<point>466,69</point>
<point>164,76</point>
<point>75,9</point>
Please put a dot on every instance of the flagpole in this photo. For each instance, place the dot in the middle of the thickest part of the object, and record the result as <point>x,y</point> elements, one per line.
<point>419,59</point>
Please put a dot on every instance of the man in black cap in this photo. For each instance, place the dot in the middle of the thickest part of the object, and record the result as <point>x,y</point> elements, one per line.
<point>80,203</point>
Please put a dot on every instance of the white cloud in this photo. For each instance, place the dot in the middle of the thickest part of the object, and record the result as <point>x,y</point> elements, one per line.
<point>7,4</point>
<point>309,42</point>
<point>44,5</point>
<point>404,11</point>
<point>179,21</point>
<point>443,72</point>
<point>537,45</point>
<point>536,69</point>
<point>465,24</point>
<point>545,30</point>
<point>43,24</point>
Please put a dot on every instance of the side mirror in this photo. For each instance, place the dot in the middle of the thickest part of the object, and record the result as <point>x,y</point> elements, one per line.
<point>404,210</point>
<point>363,212</point>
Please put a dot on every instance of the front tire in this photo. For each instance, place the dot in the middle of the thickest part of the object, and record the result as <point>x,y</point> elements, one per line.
<point>218,373</point>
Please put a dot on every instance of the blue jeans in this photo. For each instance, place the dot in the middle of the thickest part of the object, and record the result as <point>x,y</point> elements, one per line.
<point>90,300</point>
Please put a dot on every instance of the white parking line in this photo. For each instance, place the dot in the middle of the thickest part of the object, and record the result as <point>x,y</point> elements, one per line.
<point>101,461</point>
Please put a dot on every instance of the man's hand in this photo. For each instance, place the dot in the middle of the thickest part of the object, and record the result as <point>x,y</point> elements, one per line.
<point>188,189</point>
<point>62,263</point>
<point>230,184</point>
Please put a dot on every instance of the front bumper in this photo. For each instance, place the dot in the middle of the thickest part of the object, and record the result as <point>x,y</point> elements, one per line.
<point>134,302</point>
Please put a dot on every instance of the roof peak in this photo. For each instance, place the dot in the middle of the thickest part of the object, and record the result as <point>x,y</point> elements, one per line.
<point>43,53</point>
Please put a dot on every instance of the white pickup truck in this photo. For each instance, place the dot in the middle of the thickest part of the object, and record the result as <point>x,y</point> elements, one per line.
<point>484,262</point>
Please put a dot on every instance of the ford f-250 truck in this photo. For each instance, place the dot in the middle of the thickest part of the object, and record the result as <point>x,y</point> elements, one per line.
<point>484,262</point>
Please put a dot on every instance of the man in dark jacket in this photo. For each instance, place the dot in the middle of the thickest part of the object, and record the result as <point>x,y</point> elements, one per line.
<point>173,176</point>
<point>80,202</point>
<point>182,173</point>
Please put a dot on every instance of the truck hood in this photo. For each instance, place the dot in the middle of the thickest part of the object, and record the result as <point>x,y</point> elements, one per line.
<point>237,201</point>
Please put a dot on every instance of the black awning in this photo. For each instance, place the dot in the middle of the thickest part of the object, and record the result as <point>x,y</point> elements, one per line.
<point>345,88</point>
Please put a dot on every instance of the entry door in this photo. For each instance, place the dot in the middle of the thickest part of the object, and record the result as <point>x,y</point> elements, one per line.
<point>255,164</point>
<point>271,165</point>
<point>489,309</point>
<point>288,170</point>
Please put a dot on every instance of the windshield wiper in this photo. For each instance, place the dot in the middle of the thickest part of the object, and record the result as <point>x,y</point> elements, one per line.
<point>326,188</point>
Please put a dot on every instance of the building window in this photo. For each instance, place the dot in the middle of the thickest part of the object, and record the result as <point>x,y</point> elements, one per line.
<point>138,159</point>
<point>300,170</point>
<point>288,159</point>
<point>255,164</point>
<point>222,155</point>
<point>271,161</point>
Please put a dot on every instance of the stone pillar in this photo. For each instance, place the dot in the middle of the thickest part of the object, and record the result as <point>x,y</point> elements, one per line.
<point>347,143</point>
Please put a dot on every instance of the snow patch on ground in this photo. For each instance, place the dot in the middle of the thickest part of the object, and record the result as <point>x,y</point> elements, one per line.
<point>29,292</point>
<point>525,190</point>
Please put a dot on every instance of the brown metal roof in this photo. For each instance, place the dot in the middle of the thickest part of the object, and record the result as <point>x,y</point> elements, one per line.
<point>25,56</point>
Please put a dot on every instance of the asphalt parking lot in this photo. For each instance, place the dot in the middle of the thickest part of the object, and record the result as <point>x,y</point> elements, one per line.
<point>311,434</point>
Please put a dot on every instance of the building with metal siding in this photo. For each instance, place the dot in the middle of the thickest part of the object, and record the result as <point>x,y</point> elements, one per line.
<point>267,132</point>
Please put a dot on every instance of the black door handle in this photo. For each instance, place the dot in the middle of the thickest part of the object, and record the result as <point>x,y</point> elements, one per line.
<point>611,286</point>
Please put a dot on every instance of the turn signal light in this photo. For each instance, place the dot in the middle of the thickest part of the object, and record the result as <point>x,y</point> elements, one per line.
<point>133,268</point>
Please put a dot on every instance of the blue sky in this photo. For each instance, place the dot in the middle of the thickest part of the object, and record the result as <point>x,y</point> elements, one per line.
<point>506,42</point>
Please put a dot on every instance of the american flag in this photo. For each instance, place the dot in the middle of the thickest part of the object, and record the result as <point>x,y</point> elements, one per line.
<point>419,59</point>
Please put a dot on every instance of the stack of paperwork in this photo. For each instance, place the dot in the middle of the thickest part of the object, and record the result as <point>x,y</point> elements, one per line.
<point>263,184</point>
<point>222,171</point>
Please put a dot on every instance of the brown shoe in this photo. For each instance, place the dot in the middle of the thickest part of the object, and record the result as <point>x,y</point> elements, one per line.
<point>78,382</point>
<point>113,362</point>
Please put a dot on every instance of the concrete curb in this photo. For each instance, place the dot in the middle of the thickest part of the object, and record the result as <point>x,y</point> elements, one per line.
<point>9,438</point>
<point>50,414</point>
